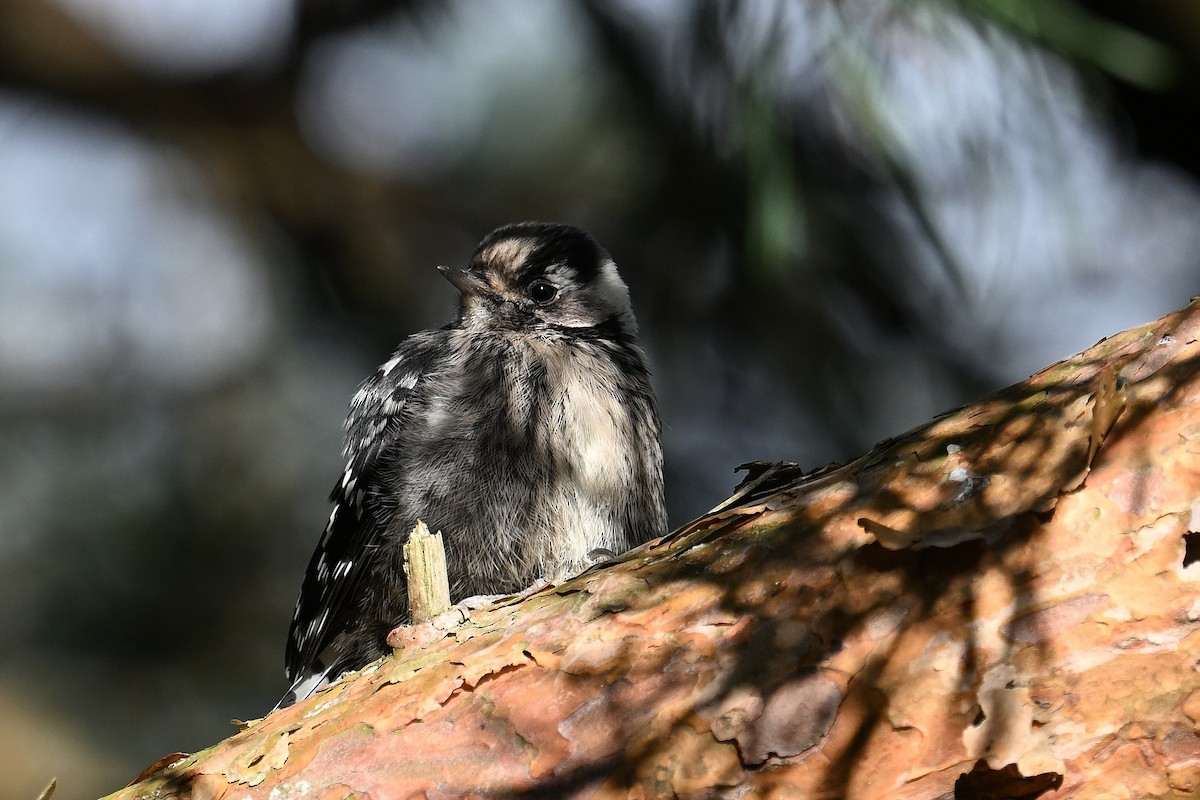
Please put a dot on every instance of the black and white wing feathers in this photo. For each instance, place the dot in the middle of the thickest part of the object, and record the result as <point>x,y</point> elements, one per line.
<point>362,513</point>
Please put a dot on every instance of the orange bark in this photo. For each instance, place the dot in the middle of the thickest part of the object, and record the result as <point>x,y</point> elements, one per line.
<point>1002,603</point>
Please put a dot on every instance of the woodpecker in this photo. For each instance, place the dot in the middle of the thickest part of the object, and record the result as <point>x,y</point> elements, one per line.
<point>526,430</point>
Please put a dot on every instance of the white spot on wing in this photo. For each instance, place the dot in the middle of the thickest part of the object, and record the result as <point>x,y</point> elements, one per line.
<point>360,397</point>
<point>308,684</point>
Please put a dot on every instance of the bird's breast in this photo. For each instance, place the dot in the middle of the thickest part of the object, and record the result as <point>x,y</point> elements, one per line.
<point>595,433</point>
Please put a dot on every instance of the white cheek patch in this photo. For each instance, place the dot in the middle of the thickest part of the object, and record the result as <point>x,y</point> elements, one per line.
<point>608,295</point>
<point>611,288</point>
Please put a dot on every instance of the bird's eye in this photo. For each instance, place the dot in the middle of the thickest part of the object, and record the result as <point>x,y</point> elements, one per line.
<point>542,292</point>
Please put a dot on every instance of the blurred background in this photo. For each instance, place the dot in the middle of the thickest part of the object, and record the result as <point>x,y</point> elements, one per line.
<point>837,218</point>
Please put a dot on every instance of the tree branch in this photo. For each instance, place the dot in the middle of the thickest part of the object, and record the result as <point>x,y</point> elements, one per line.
<point>993,605</point>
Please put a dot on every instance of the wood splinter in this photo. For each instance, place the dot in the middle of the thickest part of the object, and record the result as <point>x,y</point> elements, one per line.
<point>425,571</point>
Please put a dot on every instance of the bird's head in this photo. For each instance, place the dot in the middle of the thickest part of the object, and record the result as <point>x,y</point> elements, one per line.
<point>540,275</point>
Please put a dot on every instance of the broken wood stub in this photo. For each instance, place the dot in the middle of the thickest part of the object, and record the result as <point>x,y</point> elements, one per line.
<point>425,571</point>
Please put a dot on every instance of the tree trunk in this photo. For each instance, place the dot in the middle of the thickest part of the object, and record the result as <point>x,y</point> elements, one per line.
<point>1002,603</point>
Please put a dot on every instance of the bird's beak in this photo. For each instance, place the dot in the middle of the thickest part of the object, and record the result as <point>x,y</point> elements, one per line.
<point>468,283</point>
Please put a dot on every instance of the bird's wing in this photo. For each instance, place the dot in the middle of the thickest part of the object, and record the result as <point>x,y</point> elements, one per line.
<point>362,513</point>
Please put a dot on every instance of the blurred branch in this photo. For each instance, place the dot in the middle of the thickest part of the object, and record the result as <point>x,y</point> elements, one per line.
<point>999,603</point>
<point>241,131</point>
<point>697,187</point>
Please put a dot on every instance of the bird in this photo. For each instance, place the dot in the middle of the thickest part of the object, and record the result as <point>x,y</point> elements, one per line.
<point>526,430</point>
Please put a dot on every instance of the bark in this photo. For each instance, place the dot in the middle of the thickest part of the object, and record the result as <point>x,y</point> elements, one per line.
<point>1002,603</point>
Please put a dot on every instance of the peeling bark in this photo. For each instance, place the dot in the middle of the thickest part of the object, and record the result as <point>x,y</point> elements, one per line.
<point>1002,603</point>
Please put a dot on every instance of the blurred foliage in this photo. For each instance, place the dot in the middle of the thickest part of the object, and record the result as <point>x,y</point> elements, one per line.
<point>837,218</point>
<point>1123,52</point>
